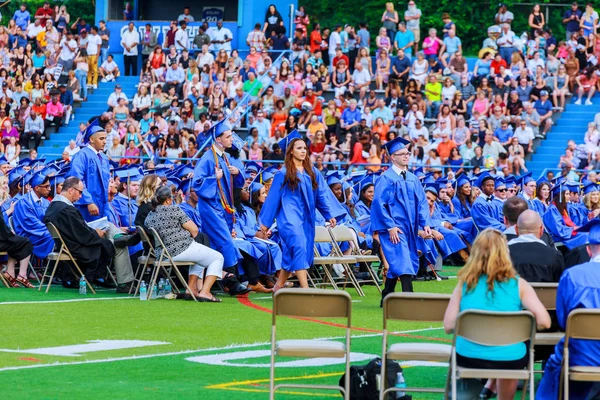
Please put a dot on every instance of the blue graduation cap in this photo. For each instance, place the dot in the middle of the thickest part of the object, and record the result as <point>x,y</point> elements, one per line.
<point>369,180</point>
<point>590,187</point>
<point>174,181</point>
<point>268,173</point>
<point>113,164</point>
<point>254,186</point>
<point>162,172</point>
<point>56,180</point>
<point>25,162</point>
<point>91,129</point>
<point>419,173</point>
<point>498,183</point>
<point>252,166</point>
<point>3,160</point>
<point>36,179</point>
<point>541,180</point>
<point>129,173</point>
<point>482,177</point>
<point>283,143</point>
<point>559,189</point>
<point>51,169</point>
<point>461,180</point>
<point>510,182</point>
<point>593,227</point>
<point>559,180</point>
<point>334,177</point>
<point>237,143</point>
<point>185,185</point>
<point>358,176</point>
<point>573,187</point>
<point>397,144</point>
<point>434,187</point>
<point>429,178</point>
<point>525,179</point>
<point>183,171</point>
<point>218,129</point>
<point>16,175</point>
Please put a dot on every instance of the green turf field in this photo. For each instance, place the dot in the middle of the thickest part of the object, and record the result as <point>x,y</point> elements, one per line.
<point>210,351</point>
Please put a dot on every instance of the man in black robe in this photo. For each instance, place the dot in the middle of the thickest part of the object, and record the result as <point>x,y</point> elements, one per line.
<point>92,250</point>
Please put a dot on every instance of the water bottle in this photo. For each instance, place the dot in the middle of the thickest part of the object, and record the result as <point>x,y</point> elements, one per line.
<point>161,288</point>
<point>154,292</point>
<point>400,384</point>
<point>82,285</point>
<point>143,292</point>
<point>168,288</point>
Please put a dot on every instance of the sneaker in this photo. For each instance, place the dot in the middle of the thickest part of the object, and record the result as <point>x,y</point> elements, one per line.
<point>103,80</point>
<point>95,86</point>
<point>578,102</point>
<point>588,103</point>
<point>539,136</point>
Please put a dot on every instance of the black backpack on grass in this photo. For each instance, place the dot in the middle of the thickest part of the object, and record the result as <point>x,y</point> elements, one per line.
<point>363,380</point>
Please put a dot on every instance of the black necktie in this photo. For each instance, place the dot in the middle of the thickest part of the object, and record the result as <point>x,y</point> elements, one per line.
<point>489,198</point>
<point>403,173</point>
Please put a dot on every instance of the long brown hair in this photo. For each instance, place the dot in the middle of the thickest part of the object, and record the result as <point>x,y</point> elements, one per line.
<point>489,256</point>
<point>291,178</point>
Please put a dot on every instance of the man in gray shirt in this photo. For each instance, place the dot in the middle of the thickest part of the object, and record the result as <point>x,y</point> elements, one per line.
<point>104,33</point>
<point>364,37</point>
<point>412,16</point>
<point>531,116</point>
<point>34,129</point>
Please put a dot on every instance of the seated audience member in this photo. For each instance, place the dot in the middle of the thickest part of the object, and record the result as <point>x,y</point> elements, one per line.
<point>533,259</point>
<point>511,210</point>
<point>19,250</point>
<point>178,232</point>
<point>92,248</point>
<point>579,287</point>
<point>489,282</point>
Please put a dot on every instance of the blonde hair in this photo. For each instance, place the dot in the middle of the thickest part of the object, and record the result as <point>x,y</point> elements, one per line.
<point>587,201</point>
<point>489,256</point>
<point>148,185</point>
<point>389,5</point>
<point>3,194</point>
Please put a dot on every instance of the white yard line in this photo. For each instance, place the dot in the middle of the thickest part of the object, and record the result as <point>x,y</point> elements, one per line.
<point>5,303</point>
<point>230,347</point>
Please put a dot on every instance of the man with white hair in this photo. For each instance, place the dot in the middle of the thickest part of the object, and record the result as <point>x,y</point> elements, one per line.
<point>506,43</point>
<point>412,16</point>
<point>72,148</point>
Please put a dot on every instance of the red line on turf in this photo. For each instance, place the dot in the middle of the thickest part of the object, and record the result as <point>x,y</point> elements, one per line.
<point>245,300</point>
<point>32,359</point>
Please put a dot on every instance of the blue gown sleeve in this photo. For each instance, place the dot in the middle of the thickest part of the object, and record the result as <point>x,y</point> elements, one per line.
<point>564,293</point>
<point>482,217</point>
<point>26,220</point>
<point>205,181</point>
<point>326,202</point>
<point>424,217</point>
<point>78,168</point>
<point>556,226</point>
<point>272,204</point>
<point>381,218</point>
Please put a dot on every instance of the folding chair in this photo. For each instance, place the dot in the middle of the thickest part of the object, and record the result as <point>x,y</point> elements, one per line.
<point>322,235</point>
<point>146,259</point>
<point>428,307</point>
<point>582,324</point>
<point>313,303</point>
<point>546,292</point>
<point>494,329</point>
<point>164,261</point>
<point>344,234</point>
<point>63,254</point>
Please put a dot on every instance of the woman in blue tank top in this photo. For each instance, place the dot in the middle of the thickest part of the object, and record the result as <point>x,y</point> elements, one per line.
<point>489,282</point>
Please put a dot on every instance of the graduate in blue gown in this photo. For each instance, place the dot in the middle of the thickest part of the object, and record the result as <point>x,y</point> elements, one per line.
<point>484,210</point>
<point>499,197</point>
<point>398,212</point>
<point>558,223</point>
<point>591,199</point>
<point>91,165</point>
<point>462,197</point>
<point>213,181</point>
<point>124,202</point>
<point>297,190</point>
<point>190,205</point>
<point>16,189</point>
<point>29,215</point>
<point>576,209</point>
<point>528,186</point>
<point>579,287</point>
<point>542,197</point>
<point>366,190</point>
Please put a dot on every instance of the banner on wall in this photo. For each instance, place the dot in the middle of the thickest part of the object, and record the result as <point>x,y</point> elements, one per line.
<point>213,14</point>
<point>161,28</point>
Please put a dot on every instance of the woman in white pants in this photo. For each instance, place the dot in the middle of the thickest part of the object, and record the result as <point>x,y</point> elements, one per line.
<point>177,232</point>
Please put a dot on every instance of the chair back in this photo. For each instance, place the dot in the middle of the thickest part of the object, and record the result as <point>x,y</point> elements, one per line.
<point>57,237</point>
<point>322,235</point>
<point>144,237</point>
<point>546,292</point>
<point>11,223</point>
<point>489,328</point>
<point>428,307</point>
<point>160,243</point>
<point>583,323</point>
<point>342,233</point>
<point>312,303</point>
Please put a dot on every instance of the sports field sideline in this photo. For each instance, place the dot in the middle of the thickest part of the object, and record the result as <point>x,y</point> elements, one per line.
<point>62,345</point>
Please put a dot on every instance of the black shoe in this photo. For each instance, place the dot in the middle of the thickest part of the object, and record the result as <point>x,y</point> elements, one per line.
<point>419,278</point>
<point>103,283</point>
<point>238,290</point>
<point>443,277</point>
<point>124,287</point>
<point>123,241</point>
<point>486,394</point>
<point>70,284</point>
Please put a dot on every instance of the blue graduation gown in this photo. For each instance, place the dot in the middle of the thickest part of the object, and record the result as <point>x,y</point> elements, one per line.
<point>117,217</point>
<point>363,212</point>
<point>28,222</point>
<point>452,241</point>
<point>126,208</point>
<point>94,172</point>
<point>294,211</point>
<point>217,223</point>
<point>247,225</point>
<point>192,213</point>
<point>485,214</point>
<point>460,210</point>
<point>464,224</point>
<point>559,231</point>
<point>578,213</point>
<point>537,205</point>
<point>112,215</point>
<point>579,287</point>
<point>6,205</point>
<point>402,204</point>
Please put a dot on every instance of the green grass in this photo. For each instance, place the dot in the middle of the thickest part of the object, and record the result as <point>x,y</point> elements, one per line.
<point>186,326</point>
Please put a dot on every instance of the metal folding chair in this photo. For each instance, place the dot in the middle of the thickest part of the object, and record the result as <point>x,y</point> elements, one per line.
<point>313,303</point>
<point>147,259</point>
<point>428,307</point>
<point>2,279</point>
<point>546,292</point>
<point>63,254</point>
<point>582,324</point>
<point>165,261</point>
<point>344,234</point>
<point>322,235</point>
<point>494,329</point>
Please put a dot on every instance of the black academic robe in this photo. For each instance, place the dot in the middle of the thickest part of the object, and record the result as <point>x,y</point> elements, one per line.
<point>17,247</point>
<point>93,253</point>
<point>537,262</point>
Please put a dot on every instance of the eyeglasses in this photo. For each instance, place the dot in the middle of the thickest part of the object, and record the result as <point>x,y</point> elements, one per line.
<point>402,154</point>
<point>501,190</point>
<point>80,191</point>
